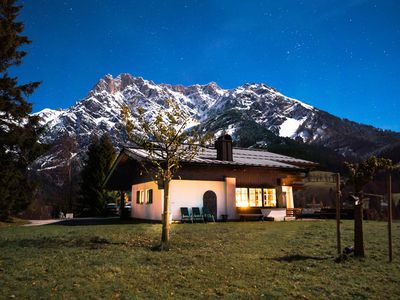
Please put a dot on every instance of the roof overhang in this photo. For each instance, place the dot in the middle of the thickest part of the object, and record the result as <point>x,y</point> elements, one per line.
<point>130,162</point>
<point>122,172</point>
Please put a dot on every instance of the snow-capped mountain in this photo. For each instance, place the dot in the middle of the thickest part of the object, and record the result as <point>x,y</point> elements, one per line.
<point>100,110</point>
<point>214,108</point>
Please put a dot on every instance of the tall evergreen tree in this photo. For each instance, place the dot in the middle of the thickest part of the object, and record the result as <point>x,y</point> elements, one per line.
<point>100,156</point>
<point>18,130</point>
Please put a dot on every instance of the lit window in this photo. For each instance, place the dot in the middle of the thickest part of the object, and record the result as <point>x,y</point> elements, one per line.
<point>242,197</point>
<point>149,196</point>
<point>269,197</point>
<point>255,197</point>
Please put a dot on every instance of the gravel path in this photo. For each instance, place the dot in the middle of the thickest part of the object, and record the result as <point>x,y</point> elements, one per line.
<point>42,222</point>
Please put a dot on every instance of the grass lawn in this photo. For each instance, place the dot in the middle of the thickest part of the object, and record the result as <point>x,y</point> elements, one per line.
<point>229,260</point>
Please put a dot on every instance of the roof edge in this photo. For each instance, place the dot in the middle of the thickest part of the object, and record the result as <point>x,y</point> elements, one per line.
<point>116,162</point>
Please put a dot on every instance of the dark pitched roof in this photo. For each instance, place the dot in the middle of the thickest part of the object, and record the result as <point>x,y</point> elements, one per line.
<point>241,157</point>
<point>127,165</point>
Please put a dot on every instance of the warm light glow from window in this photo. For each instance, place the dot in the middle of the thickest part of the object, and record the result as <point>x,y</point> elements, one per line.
<point>242,197</point>
<point>255,197</point>
<point>269,197</point>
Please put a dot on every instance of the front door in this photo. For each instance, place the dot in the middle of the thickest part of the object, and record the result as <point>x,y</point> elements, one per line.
<point>210,201</point>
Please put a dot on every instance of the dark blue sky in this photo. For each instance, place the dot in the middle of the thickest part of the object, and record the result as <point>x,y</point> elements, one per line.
<point>340,56</point>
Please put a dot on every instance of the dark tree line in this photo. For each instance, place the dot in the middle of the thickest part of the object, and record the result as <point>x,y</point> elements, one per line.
<point>93,197</point>
<point>19,131</point>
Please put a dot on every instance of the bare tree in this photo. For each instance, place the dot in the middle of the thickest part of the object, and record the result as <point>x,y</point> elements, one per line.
<point>167,142</point>
<point>360,175</point>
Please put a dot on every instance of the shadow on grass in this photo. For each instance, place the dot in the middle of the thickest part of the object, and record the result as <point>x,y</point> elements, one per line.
<point>54,242</point>
<point>85,242</point>
<point>298,257</point>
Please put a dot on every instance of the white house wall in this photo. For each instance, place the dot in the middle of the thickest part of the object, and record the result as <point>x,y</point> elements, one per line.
<point>146,211</point>
<point>189,193</point>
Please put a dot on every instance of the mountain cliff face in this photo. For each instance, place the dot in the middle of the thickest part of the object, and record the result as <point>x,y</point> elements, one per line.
<point>212,109</point>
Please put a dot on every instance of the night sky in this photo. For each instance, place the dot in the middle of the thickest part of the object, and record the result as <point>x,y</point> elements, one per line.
<point>340,56</point>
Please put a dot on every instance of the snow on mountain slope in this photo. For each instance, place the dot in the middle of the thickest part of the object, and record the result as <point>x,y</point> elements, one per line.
<point>49,115</point>
<point>100,110</point>
<point>266,107</point>
<point>290,126</point>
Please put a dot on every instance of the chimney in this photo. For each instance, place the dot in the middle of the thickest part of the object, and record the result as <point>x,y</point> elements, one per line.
<point>224,147</point>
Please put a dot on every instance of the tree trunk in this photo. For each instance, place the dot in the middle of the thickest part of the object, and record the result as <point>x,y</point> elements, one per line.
<point>165,219</point>
<point>358,229</point>
<point>122,212</point>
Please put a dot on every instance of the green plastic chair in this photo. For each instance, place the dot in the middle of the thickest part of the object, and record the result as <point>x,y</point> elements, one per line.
<point>197,215</point>
<point>208,216</point>
<point>185,216</point>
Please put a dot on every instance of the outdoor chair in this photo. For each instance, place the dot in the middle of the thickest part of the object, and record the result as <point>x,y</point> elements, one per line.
<point>196,214</point>
<point>208,216</point>
<point>185,216</point>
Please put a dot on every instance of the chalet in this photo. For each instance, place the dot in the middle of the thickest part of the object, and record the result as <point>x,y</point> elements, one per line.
<point>230,181</point>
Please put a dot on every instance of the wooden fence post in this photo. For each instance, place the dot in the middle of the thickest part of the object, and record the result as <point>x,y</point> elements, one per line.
<point>389,197</point>
<point>338,242</point>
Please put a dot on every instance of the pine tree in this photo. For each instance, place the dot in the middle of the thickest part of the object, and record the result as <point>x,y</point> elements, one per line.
<point>18,130</point>
<point>100,156</point>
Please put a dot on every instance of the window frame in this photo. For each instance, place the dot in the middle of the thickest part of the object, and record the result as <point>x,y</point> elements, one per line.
<point>270,193</point>
<point>149,196</point>
<point>140,197</point>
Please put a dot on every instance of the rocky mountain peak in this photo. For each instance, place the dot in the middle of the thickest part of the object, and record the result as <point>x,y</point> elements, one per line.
<point>105,83</point>
<point>125,79</point>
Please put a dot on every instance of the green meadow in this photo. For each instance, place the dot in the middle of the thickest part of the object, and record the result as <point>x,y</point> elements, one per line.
<point>272,260</point>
